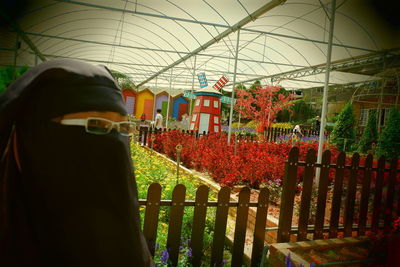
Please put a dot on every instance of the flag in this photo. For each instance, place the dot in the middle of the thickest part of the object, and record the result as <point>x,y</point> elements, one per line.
<point>202,79</point>
<point>220,83</point>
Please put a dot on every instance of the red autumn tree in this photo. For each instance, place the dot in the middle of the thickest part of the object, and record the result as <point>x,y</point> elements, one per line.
<point>262,104</point>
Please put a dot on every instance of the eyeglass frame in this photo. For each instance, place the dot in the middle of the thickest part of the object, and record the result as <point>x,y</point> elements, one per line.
<point>84,122</point>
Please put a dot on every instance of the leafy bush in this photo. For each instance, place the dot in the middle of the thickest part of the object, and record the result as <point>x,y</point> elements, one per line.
<point>7,74</point>
<point>343,134</point>
<point>283,125</point>
<point>389,139</point>
<point>255,163</point>
<point>370,134</point>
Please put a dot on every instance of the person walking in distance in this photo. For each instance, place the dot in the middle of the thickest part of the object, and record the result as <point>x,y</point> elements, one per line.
<point>159,120</point>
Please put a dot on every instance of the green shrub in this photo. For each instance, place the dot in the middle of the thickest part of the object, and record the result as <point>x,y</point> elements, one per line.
<point>343,134</point>
<point>389,139</point>
<point>370,134</point>
<point>7,76</point>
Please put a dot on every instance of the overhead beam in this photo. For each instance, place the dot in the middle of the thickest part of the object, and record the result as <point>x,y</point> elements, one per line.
<point>212,24</point>
<point>335,66</point>
<point>251,17</point>
<point>21,34</point>
<point>155,49</point>
<point>149,65</point>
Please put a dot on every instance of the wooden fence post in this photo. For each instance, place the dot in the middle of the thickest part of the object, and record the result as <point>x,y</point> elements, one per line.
<point>175,223</point>
<point>337,195</point>
<point>376,215</point>
<point>240,227</point>
<point>322,191</point>
<point>390,195</point>
<point>259,228</point>
<point>151,215</point>
<point>220,226</point>
<point>366,184</point>
<point>306,194</point>
<point>287,196</point>
<point>199,217</point>
<point>351,196</point>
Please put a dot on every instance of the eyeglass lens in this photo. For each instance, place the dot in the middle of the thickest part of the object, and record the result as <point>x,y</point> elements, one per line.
<point>103,126</point>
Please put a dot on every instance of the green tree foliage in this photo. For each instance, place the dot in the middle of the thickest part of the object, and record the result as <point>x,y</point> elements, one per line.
<point>300,111</point>
<point>389,139</point>
<point>370,134</point>
<point>7,76</point>
<point>123,80</point>
<point>343,134</point>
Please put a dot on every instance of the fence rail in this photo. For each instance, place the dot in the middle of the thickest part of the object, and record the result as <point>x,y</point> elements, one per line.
<point>371,200</point>
<point>270,134</point>
<point>177,204</point>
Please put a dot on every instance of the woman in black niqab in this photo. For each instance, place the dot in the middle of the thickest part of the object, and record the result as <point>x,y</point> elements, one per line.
<point>68,197</point>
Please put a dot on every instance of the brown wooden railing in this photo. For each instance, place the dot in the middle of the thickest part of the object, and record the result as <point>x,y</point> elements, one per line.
<point>382,209</point>
<point>271,134</point>
<point>201,204</point>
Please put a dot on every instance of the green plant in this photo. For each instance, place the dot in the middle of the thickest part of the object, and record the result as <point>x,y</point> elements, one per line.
<point>389,139</point>
<point>9,74</point>
<point>370,134</point>
<point>343,134</point>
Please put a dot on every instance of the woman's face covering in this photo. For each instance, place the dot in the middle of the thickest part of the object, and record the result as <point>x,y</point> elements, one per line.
<point>78,188</point>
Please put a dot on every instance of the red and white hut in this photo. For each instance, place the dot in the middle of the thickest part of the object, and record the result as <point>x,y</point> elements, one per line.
<point>206,116</point>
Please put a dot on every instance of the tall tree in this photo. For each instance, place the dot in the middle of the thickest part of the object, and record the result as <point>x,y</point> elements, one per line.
<point>370,134</point>
<point>262,104</point>
<point>389,139</point>
<point>343,134</point>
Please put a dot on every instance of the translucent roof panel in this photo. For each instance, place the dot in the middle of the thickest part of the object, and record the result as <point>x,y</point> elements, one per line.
<point>165,44</point>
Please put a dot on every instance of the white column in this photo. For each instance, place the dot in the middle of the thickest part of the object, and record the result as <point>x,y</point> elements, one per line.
<point>169,99</point>
<point>326,88</point>
<point>233,88</point>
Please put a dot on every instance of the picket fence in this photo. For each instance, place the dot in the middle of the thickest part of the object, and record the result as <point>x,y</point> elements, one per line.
<point>381,191</point>
<point>383,209</point>
<point>178,203</point>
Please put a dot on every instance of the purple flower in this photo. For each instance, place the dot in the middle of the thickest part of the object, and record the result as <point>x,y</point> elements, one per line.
<point>224,261</point>
<point>164,256</point>
<point>189,253</point>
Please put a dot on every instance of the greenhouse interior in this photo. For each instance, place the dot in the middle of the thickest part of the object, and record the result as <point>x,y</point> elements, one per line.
<point>290,105</point>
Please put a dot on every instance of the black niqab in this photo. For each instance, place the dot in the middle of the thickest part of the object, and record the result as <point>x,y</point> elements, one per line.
<point>74,201</point>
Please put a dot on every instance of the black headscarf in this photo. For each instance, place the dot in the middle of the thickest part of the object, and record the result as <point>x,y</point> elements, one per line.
<point>73,201</point>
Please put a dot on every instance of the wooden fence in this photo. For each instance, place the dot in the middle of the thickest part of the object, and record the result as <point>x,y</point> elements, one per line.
<point>271,134</point>
<point>200,204</point>
<point>373,186</point>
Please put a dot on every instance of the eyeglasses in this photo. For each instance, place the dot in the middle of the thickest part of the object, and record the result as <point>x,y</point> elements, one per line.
<point>95,125</point>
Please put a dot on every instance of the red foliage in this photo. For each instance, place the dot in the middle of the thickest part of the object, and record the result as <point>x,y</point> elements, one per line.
<point>261,104</point>
<point>254,163</point>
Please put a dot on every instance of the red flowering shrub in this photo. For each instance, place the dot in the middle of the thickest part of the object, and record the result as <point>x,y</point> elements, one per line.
<point>255,163</point>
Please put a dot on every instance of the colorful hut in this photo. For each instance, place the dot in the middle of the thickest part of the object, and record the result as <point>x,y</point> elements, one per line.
<point>161,103</point>
<point>129,100</point>
<point>179,107</point>
<point>145,103</point>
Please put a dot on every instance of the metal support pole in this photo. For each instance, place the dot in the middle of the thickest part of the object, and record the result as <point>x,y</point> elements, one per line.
<point>191,100</point>
<point>169,100</point>
<point>233,88</point>
<point>326,87</point>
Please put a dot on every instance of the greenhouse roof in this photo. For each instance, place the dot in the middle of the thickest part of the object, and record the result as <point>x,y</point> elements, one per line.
<point>165,44</point>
